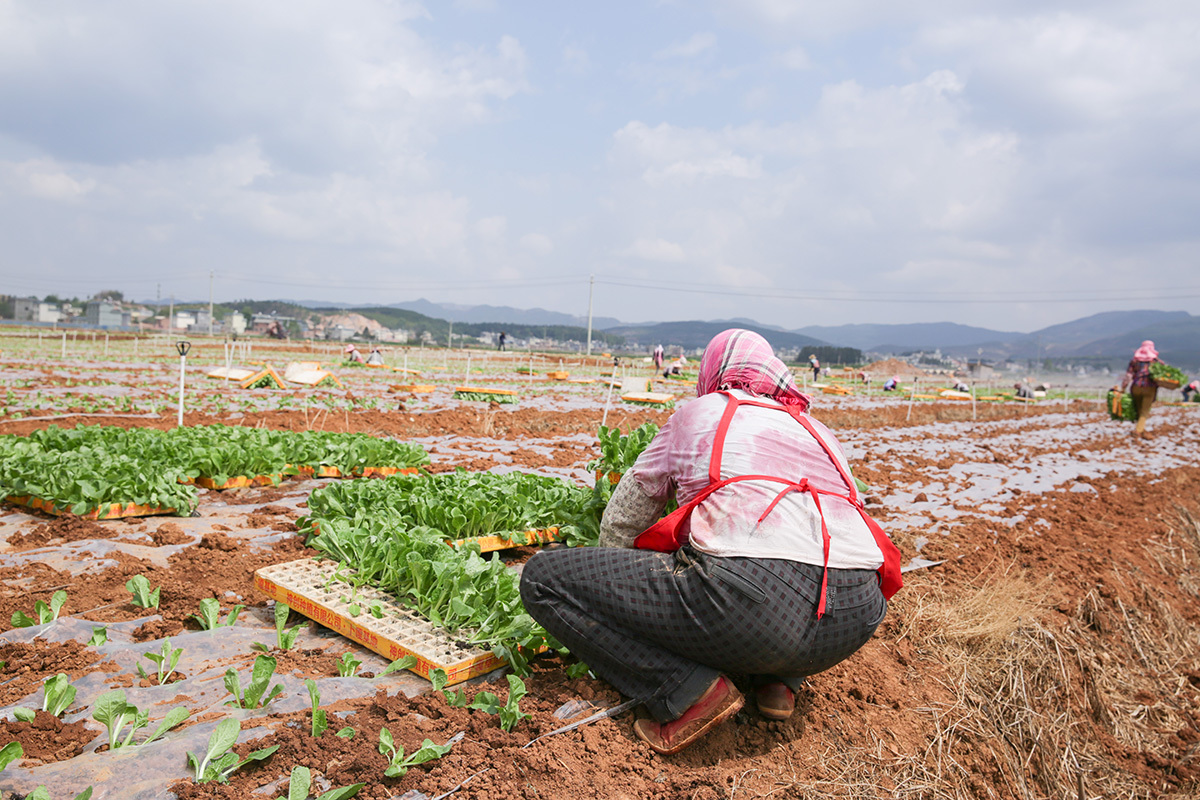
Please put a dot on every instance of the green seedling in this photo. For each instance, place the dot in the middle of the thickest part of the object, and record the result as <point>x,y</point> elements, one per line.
<point>376,611</point>
<point>42,793</point>
<point>407,662</point>
<point>511,713</point>
<point>219,762</point>
<point>348,666</point>
<point>210,615</point>
<point>457,698</point>
<point>139,587</point>
<point>398,765</point>
<point>58,694</point>
<point>346,732</point>
<point>319,722</point>
<point>99,636</point>
<point>10,753</point>
<point>165,660</point>
<point>113,712</point>
<point>578,670</point>
<point>284,637</point>
<point>301,781</point>
<point>45,613</point>
<point>260,677</point>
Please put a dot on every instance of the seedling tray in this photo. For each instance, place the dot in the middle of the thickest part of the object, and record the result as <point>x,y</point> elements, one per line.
<point>495,542</point>
<point>267,372</point>
<point>114,510</point>
<point>414,388</point>
<point>239,481</point>
<point>400,632</point>
<point>324,471</point>
<point>649,398</point>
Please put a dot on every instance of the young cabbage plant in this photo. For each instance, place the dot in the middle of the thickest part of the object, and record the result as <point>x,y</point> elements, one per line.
<point>45,613</point>
<point>165,660</point>
<point>219,761</point>
<point>348,666</point>
<point>300,783</point>
<point>99,636</point>
<point>42,793</point>
<point>511,713</point>
<point>210,615</point>
<point>113,712</point>
<point>58,694</point>
<point>319,722</point>
<point>143,596</point>
<point>456,698</point>
<point>256,693</point>
<point>10,753</point>
<point>407,662</point>
<point>284,637</point>
<point>398,765</point>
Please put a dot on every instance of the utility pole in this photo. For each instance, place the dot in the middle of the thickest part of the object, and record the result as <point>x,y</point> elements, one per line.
<point>171,317</point>
<point>450,336</point>
<point>591,285</point>
<point>210,302</point>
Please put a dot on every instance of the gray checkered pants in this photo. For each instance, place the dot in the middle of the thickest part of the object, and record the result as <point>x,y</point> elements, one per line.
<point>661,627</point>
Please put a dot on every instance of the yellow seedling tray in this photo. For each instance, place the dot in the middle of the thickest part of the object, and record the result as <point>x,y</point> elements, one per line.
<point>239,481</point>
<point>648,397</point>
<point>489,543</point>
<point>115,510</point>
<point>558,375</point>
<point>399,632</point>
<point>415,388</point>
<point>265,372</point>
<point>366,472</point>
<point>231,373</point>
<point>481,390</point>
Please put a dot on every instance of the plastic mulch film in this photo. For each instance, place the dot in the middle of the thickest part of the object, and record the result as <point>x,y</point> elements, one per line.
<point>141,773</point>
<point>308,586</point>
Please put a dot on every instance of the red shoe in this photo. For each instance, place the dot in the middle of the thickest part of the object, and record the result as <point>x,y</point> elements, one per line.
<point>775,700</point>
<point>718,703</point>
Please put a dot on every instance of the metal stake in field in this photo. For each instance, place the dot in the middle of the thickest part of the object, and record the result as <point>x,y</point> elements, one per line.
<point>911,397</point>
<point>182,347</point>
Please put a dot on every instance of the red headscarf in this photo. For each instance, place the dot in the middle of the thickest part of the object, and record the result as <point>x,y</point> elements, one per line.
<point>741,359</point>
<point>1146,352</point>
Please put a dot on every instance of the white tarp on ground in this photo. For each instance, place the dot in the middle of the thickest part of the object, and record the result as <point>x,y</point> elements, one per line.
<point>307,373</point>
<point>231,373</point>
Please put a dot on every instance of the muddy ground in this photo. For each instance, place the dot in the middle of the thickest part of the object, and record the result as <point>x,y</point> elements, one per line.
<point>1053,651</point>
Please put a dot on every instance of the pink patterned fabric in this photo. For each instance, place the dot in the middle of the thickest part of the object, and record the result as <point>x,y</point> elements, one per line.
<point>741,359</point>
<point>1146,352</point>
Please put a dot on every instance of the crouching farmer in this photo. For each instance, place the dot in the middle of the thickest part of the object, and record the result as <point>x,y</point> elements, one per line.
<point>770,568</point>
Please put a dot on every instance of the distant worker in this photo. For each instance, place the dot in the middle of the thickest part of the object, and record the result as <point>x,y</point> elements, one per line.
<point>676,367</point>
<point>376,357</point>
<point>1023,390</point>
<point>658,358</point>
<point>891,384</point>
<point>1142,388</point>
<point>864,377</point>
<point>959,386</point>
<point>352,354</point>
<point>503,339</point>
<point>1192,388</point>
<point>816,366</point>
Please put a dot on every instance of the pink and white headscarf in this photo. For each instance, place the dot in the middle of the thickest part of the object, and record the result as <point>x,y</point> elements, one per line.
<point>741,359</point>
<point>1146,352</point>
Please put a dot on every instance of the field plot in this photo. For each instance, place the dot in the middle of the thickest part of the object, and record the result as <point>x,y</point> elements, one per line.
<point>1051,650</point>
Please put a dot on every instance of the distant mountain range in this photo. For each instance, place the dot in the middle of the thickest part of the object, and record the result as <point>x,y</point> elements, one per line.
<point>1108,338</point>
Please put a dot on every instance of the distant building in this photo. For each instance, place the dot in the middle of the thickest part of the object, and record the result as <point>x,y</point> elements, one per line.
<point>104,314</point>
<point>980,371</point>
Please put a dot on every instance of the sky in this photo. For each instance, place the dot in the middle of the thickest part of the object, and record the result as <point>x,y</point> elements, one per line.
<point>1007,165</point>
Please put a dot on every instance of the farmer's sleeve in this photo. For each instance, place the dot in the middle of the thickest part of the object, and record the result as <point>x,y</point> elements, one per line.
<point>629,512</point>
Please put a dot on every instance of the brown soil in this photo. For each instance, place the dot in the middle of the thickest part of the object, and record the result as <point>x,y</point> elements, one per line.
<point>47,738</point>
<point>67,528</point>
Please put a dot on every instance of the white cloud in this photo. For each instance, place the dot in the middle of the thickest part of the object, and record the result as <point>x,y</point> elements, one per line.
<point>694,46</point>
<point>537,243</point>
<point>491,227</point>
<point>654,250</point>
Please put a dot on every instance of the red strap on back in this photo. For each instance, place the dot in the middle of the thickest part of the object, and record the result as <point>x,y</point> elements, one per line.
<point>668,535</point>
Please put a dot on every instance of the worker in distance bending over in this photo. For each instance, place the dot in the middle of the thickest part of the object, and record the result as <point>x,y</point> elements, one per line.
<point>770,569</point>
